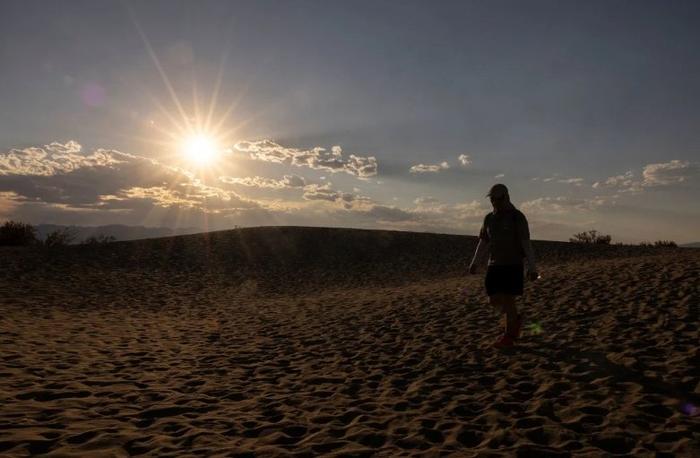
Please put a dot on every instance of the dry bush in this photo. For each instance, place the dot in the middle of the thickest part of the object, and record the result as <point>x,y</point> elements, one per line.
<point>591,237</point>
<point>666,243</point>
<point>99,239</point>
<point>59,238</point>
<point>659,243</point>
<point>15,233</point>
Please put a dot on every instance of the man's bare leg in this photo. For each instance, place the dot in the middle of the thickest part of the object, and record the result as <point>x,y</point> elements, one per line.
<point>497,302</point>
<point>511,311</point>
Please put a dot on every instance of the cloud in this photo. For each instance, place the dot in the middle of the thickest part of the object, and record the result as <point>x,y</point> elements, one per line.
<point>576,181</point>
<point>8,202</point>
<point>384,213</point>
<point>62,184</point>
<point>422,168</point>
<point>464,160</point>
<point>158,195</point>
<point>55,158</point>
<point>449,213</point>
<point>316,158</point>
<point>624,183</point>
<point>429,214</point>
<point>362,167</point>
<point>426,201</point>
<point>669,173</point>
<point>325,192</point>
<point>470,209</point>
<point>61,176</point>
<point>563,205</point>
<point>288,181</point>
<point>500,175</point>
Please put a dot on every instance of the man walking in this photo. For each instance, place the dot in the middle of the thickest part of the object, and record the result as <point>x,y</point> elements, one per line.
<point>505,235</point>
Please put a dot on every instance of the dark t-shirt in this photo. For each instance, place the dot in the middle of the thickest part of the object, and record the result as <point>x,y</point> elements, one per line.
<point>504,231</point>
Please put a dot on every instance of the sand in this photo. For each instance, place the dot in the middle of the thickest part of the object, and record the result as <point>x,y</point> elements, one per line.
<point>100,357</point>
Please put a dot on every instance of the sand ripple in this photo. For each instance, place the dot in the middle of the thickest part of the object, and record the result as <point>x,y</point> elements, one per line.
<point>156,364</point>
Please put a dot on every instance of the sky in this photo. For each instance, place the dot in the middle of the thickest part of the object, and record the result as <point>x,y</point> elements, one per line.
<point>377,114</point>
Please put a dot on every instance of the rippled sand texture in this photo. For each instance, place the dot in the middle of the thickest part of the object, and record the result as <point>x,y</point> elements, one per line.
<point>163,365</point>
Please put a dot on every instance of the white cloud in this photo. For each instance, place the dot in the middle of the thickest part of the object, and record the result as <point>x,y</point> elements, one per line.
<point>669,173</point>
<point>653,175</point>
<point>573,181</point>
<point>159,195</point>
<point>624,183</point>
<point>450,212</point>
<point>325,192</point>
<point>422,168</point>
<point>563,205</point>
<point>576,181</point>
<point>464,160</point>
<point>361,167</point>
<point>316,158</point>
<point>56,158</point>
<point>288,181</point>
<point>471,209</point>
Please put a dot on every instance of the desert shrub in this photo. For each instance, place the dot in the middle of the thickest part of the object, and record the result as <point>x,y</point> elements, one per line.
<point>99,239</point>
<point>60,237</point>
<point>646,244</point>
<point>666,243</point>
<point>591,237</point>
<point>16,233</point>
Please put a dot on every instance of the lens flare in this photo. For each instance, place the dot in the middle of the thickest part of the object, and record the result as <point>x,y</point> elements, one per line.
<point>93,95</point>
<point>690,409</point>
<point>535,328</point>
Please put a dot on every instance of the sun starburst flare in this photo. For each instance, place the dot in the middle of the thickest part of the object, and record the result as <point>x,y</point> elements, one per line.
<point>200,149</point>
<point>191,136</point>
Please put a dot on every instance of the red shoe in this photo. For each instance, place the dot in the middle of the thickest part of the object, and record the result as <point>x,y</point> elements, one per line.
<point>504,342</point>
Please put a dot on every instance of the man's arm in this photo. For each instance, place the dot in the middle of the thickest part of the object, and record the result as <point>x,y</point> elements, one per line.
<point>524,236</point>
<point>482,248</point>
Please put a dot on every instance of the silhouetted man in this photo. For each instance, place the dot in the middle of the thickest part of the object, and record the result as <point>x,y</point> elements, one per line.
<point>505,235</point>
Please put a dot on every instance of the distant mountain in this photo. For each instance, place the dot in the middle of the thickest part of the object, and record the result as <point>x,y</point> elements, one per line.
<point>691,245</point>
<point>118,231</point>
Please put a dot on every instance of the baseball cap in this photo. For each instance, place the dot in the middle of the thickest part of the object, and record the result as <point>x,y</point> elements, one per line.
<point>497,189</point>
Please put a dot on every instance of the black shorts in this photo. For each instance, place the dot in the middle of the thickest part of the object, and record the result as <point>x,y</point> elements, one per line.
<point>504,280</point>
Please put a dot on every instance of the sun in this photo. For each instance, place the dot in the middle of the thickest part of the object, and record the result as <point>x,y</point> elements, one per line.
<point>200,149</point>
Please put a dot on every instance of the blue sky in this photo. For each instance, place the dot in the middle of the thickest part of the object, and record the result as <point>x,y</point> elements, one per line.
<point>586,110</point>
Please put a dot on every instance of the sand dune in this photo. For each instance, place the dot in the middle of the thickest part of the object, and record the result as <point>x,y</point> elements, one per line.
<point>303,341</point>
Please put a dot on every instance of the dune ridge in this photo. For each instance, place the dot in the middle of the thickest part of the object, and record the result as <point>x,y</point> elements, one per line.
<point>303,257</point>
<point>295,341</point>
